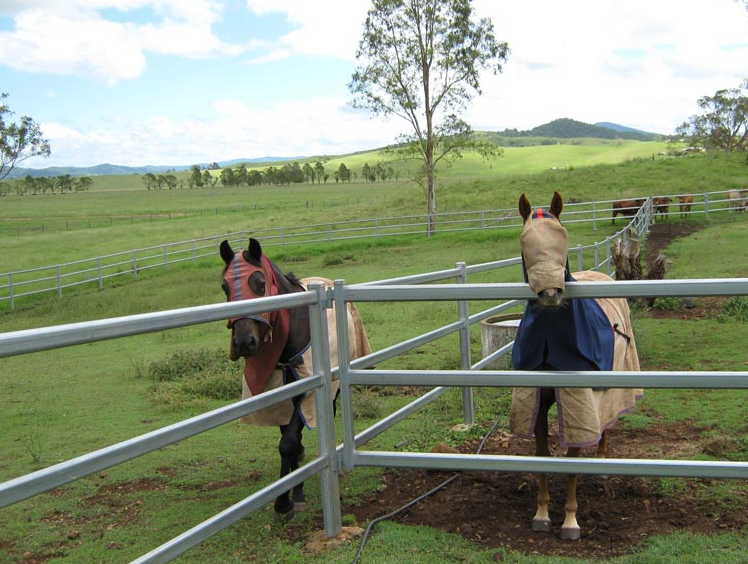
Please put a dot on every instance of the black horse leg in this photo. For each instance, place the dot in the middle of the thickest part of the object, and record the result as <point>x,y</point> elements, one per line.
<point>291,452</point>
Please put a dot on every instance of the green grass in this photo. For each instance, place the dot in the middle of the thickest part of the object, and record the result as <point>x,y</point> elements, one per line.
<point>66,402</point>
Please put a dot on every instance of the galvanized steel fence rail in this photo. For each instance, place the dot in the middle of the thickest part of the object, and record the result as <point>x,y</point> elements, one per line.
<point>333,456</point>
<point>56,278</point>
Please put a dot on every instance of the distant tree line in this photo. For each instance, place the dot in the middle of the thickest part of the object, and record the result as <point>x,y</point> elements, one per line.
<point>289,173</point>
<point>47,185</point>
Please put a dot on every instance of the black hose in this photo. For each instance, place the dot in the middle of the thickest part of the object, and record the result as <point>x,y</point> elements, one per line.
<point>417,500</point>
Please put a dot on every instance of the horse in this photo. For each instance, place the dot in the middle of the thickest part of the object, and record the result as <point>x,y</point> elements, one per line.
<point>276,347</point>
<point>661,206</point>
<point>684,204</point>
<point>625,208</point>
<point>738,199</point>
<point>559,334</point>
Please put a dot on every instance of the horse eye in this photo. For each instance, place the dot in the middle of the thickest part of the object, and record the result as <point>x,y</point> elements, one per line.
<point>261,288</point>
<point>256,283</point>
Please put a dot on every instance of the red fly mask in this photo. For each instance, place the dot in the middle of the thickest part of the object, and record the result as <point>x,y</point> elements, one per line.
<point>260,339</point>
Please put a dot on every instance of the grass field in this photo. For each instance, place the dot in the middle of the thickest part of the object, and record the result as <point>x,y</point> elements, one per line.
<point>62,403</point>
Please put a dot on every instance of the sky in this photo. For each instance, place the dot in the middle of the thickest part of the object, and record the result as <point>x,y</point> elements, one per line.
<point>180,82</point>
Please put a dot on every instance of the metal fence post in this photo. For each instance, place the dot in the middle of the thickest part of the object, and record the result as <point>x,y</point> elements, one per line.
<point>98,267</point>
<point>325,414</point>
<point>135,264</point>
<point>468,407</point>
<point>10,289</point>
<point>59,282</point>
<point>346,393</point>
<point>706,205</point>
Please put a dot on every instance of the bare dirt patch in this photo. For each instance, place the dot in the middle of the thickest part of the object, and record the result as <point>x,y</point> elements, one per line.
<point>616,513</point>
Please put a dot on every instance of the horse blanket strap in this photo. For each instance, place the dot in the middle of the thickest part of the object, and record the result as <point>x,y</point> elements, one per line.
<point>575,336</point>
<point>621,333</point>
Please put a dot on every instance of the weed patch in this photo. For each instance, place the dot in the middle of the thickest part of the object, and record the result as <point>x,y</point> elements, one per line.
<point>188,376</point>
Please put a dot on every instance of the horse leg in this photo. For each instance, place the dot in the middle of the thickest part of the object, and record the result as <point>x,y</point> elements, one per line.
<point>570,529</point>
<point>541,522</point>
<point>291,451</point>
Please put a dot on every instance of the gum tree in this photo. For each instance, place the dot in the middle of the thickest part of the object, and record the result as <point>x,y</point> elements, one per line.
<point>18,141</point>
<point>421,61</point>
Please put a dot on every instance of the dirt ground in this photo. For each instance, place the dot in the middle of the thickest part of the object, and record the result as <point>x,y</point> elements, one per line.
<point>616,513</point>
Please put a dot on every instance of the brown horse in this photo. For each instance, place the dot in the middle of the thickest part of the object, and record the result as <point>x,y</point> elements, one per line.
<point>661,206</point>
<point>559,334</point>
<point>685,203</point>
<point>276,347</point>
<point>625,208</point>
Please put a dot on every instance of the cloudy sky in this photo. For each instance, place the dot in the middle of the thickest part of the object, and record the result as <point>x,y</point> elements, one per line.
<point>172,82</point>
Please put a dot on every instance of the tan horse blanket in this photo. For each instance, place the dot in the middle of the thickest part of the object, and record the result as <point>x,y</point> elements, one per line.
<point>358,341</point>
<point>584,413</point>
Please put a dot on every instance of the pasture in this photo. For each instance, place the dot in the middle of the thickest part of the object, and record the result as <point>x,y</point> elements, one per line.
<point>63,403</point>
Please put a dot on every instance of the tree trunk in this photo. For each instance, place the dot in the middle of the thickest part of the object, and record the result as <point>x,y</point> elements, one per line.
<point>431,205</point>
<point>627,258</point>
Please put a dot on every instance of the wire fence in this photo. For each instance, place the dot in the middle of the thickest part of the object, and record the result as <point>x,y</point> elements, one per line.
<point>95,271</point>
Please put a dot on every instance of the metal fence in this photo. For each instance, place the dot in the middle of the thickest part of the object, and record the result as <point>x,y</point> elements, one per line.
<point>96,270</point>
<point>333,456</point>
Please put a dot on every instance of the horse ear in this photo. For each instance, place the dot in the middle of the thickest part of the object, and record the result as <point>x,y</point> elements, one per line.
<point>227,253</point>
<point>557,204</point>
<point>255,249</point>
<point>525,209</point>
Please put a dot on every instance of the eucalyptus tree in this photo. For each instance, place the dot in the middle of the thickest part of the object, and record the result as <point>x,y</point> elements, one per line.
<point>18,141</point>
<point>723,123</point>
<point>421,60</point>
<point>319,171</point>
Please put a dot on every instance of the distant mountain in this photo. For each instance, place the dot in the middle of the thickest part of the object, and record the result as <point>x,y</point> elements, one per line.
<point>110,169</point>
<point>566,128</point>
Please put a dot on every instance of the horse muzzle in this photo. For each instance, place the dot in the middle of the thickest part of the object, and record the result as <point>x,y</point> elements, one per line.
<point>551,297</point>
<point>247,335</point>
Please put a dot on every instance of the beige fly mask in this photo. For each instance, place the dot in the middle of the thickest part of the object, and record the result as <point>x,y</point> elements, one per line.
<point>545,246</point>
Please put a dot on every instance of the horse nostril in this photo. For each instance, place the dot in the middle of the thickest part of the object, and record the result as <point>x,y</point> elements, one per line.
<point>246,346</point>
<point>550,297</point>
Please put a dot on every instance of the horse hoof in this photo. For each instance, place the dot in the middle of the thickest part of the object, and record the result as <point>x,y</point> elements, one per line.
<point>283,517</point>
<point>541,525</point>
<point>571,534</point>
<point>299,506</point>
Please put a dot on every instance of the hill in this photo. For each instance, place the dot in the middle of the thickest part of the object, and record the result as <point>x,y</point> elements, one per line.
<point>107,169</point>
<point>566,128</point>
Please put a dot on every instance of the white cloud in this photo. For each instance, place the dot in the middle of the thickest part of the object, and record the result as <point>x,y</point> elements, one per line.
<point>315,126</point>
<point>329,28</point>
<point>72,37</point>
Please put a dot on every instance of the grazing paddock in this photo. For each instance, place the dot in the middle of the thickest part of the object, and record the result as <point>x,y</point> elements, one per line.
<point>111,515</point>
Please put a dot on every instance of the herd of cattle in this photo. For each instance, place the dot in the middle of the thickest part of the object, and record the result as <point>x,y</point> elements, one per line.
<point>737,199</point>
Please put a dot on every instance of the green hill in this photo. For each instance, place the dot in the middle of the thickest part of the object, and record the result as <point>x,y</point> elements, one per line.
<point>566,128</point>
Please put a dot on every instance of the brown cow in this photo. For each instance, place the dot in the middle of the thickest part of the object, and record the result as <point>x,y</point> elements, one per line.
<point>626,208</point>
<point>661,206</point>
<point>684,204</point>
<point>738,199</point>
